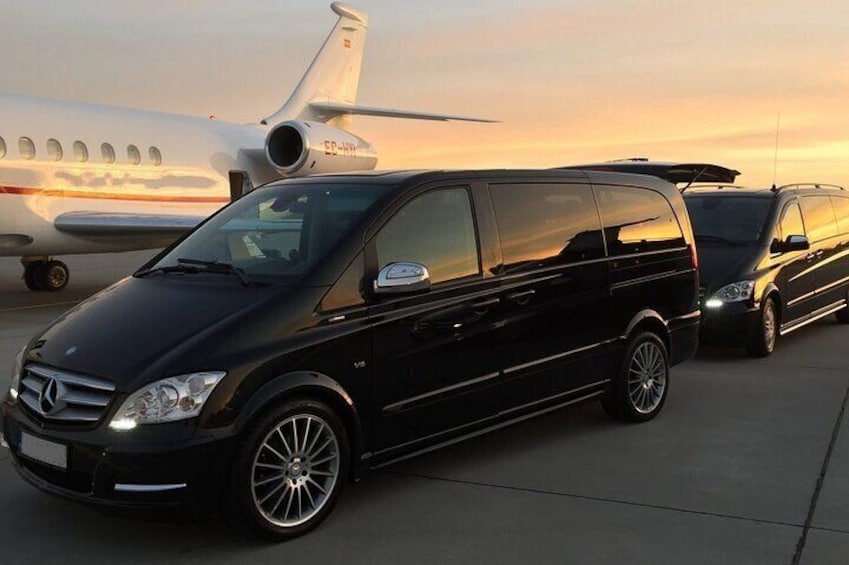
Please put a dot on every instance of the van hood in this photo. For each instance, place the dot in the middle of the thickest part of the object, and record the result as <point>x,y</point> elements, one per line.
<point>719,266</point>
<point>126,329</point>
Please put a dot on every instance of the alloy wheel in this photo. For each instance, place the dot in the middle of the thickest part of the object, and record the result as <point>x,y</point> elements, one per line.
<point>646,377</point>
<point>295,470</point>
<point>769,327</point>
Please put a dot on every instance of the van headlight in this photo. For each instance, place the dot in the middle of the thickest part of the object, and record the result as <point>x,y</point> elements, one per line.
<point>17,369</point>
<point>734,292</point>
<point>168,400</point>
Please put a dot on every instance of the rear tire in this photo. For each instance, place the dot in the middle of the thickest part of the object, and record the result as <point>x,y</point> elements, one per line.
<point>642,383</point>
<point>289,470</point>
<point>761,337</point>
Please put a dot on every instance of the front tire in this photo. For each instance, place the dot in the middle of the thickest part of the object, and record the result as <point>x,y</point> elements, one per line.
<point>290,470</point>
<point>761,338</point>
<point>642,383</point>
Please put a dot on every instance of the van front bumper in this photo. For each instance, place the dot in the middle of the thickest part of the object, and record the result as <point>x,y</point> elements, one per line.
<point>113,469</point>
<point>729,324</point>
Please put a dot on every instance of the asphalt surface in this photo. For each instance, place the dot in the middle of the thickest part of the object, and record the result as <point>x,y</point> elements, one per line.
<point>748,464</point>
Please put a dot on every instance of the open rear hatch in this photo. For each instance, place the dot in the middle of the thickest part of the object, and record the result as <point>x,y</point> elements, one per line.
<point>673,172</point>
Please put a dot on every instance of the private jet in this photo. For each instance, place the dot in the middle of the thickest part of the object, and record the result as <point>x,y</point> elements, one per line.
<point>84,178</point>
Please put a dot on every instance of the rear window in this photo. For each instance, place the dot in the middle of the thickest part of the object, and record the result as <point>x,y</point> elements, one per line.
<point>727,220</point>
<point>637,220</point>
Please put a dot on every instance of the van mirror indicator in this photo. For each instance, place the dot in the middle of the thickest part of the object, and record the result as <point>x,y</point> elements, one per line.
<point>792,243</point>
<point>402,277</point>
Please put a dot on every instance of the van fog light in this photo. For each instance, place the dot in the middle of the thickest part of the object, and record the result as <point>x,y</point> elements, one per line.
<point>168,400</point>
<point>714,303</point>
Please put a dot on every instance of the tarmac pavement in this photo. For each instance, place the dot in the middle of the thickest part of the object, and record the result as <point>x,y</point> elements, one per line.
<point>748,464</point>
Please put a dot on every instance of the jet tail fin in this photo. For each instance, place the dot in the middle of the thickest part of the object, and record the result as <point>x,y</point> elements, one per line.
<point>334,74</point>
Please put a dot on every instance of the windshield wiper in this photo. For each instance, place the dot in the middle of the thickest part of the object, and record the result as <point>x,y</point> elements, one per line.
<point>167,269</point>
<point>216,267</point>
<point>716,238</point>
<point>192,266</point>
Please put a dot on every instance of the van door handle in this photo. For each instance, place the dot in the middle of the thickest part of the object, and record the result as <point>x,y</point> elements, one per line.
<point>485,303</point>
<point>813,255</point>
<point>521,298</point>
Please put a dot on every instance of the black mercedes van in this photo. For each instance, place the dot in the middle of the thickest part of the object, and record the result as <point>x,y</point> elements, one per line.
<point>319,327</point>
<point>771,260</point>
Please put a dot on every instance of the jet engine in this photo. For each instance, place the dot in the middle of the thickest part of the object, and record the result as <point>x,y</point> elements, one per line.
<point>299,148</point>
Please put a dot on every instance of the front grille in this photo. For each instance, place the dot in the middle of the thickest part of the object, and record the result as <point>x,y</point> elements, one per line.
<point>65,397</point>
<point>702,292</point>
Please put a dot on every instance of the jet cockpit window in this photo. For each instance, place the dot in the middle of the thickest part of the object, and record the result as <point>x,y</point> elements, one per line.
<point>2,148</point>
<point>133,154</point>
<point>108,152</point>
<point>80,151</point>
<point>26,148</point>
<point>155,156</point>
<point>54,150</point>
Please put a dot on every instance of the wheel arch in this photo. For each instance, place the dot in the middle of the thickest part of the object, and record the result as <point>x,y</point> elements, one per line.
<point>650,320</point>
<point>312,385</point>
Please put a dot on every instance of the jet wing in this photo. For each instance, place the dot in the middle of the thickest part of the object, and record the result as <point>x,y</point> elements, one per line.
<point>333,108</point>
<point>672,172</point>
<point>108,223</point>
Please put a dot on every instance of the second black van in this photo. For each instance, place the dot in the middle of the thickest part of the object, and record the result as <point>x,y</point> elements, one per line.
<point>772,260</point>
<point>322,326</point>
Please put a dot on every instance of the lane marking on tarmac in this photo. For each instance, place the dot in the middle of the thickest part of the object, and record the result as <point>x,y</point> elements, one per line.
<point>33,307</point>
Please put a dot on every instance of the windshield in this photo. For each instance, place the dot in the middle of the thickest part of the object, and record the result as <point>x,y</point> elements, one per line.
<point>727,220</point>
<point>280,230</point>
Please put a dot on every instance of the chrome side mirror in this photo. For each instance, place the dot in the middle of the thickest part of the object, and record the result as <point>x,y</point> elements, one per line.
<point>402,277</point>
<point>797,243</point>
<point>792,243</point>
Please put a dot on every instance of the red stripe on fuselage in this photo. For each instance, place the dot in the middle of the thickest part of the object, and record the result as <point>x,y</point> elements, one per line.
<point>110,195</point>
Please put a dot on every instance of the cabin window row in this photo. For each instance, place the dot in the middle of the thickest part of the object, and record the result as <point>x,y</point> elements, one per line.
<point>26,150</point>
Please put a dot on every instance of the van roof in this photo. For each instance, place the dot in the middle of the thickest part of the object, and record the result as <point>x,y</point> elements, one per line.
<point>421,176</point>
<point>730,190</point>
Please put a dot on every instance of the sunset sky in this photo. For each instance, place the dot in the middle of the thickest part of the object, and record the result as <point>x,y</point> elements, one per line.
<point>571,81</point>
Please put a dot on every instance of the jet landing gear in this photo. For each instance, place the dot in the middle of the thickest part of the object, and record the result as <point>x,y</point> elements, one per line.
<point>43,273</point>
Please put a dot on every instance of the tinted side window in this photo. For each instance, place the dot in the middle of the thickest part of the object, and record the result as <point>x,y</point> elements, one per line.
<point>637,220</point>
<point>841,210</point>
<point>819,217</point>
<point>541,224</point>
<point>435,229</point>
<point>791,222</point>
